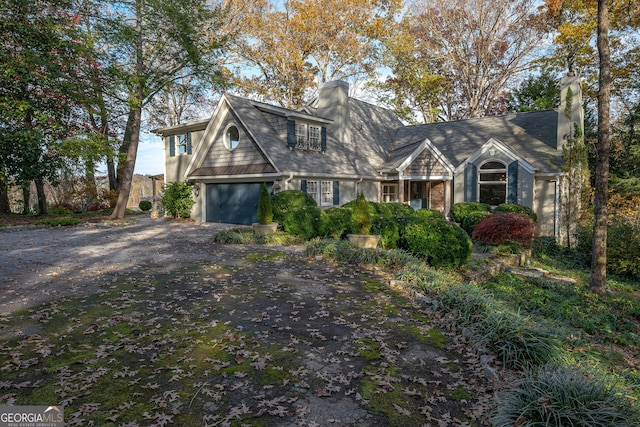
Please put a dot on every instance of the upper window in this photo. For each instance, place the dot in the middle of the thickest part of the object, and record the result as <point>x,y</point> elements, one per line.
<point>308,137</point>
<point>231,138</point>
<point>180,144</point>
<point>492,183</point>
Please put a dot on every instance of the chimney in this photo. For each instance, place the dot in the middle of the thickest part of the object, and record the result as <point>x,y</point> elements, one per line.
<point>570,112</point>
<point>333,103</point>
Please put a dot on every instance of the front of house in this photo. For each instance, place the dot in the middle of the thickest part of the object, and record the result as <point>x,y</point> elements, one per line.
<point>338,146</point>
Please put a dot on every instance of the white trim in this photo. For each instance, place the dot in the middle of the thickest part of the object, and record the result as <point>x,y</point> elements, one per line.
<point>503,149</point>
<point>224,137</point>
<point>425,178</point>
<point>425,145</point>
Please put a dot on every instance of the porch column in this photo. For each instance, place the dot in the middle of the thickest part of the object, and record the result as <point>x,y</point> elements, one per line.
<point>448,194</point>
<point>400,189</point>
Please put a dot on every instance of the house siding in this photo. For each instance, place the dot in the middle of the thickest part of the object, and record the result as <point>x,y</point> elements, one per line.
<point>246,153</point>
<point>426,165</point>
<point>176,166</point>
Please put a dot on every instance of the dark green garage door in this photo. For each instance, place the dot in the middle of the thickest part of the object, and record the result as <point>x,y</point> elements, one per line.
<point>234,203</point>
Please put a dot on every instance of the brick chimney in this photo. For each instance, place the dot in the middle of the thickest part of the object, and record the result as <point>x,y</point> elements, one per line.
<point>566,125</point>
<point>333,103</point>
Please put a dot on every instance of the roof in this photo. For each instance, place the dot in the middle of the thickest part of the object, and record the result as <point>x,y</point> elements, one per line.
<point>531,135</point>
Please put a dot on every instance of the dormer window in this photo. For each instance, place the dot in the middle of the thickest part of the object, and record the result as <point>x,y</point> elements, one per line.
<point>306,136</point>
<point>180,144</point>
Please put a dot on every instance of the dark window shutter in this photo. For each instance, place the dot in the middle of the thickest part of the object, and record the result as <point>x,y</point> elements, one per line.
<point>172,146</point>
<point>323,141</point>
<point>471,183</point>
<point>291,134</point>
<point>512,182</point>
<point>303,185</point>
<point>336,193</point>
<point>189,143</point>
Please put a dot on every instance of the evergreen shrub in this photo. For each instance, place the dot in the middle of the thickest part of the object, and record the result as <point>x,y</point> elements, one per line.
<point>504,228</point>
<point>304,222</point>
<point>429,213</point>
<point>514,207</point>
<point>289,200</point>
<point>145,205</point>
<point>439,242</point>
<point>472,219</point>
<point>460,210</point>
<point>176,199</point>
<point>265,210</point>
<point>337,222</point>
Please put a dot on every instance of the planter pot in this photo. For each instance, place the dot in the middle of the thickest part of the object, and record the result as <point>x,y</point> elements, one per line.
<point>264,229</point>
<point>364,240</point>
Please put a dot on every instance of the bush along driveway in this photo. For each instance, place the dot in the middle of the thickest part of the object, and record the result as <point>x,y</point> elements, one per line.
<point>242,335</point>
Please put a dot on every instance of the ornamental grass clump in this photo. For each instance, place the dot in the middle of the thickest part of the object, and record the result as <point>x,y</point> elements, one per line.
<point>556,395</point>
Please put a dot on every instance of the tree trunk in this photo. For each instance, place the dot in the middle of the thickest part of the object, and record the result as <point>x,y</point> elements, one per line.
<point>123,151</point>
<point>42,198</point>
<point>125,174</point>
<point>5,207</point>
<point>26,195</point>
<point>599,253</point>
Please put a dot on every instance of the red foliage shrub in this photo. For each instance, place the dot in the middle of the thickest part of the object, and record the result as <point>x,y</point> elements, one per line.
<point>505,227</point>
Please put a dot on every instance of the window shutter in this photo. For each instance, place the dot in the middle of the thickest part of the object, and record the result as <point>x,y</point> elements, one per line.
<point>471,183</point>
<point>336,192</point>
<point>189,143</point>
<point>512,182</point>
<point>303,185</point>
<point>323,142</point>
<point>172,146</point>
<point>291,134</point>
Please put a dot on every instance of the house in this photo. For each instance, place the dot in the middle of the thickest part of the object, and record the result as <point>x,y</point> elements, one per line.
<point>338,146</point>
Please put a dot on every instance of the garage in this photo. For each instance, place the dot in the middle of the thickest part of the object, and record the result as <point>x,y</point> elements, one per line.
<point>234,203</point>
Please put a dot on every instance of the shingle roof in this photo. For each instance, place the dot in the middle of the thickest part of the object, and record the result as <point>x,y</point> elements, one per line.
<point>531,135</point>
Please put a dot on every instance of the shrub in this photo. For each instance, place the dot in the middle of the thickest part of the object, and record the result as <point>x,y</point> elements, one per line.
<point>439,242</point>
<point>176,199</point>
<point>460,210</point>
<point>283,202</point>
<point>513,207</point>
<point>390,210</point>
<point>54,222</point>
<point>361,216</point>
<point>337,222</point>
<point>304,222</point>
<point>265,211</point>
<point>428,213</point>
<point>503,228</point>
<point>562,396</point>
<point>145,205</point>
<point>470,221</point>
<point>61,209</point>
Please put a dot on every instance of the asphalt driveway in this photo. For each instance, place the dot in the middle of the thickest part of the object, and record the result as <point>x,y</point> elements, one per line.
<point>154,324</point>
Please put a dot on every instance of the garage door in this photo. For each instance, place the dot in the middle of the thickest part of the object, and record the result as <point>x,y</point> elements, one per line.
<point>234,203</point>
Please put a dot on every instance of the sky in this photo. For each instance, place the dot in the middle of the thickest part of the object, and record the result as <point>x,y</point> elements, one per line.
<point>150,160</point>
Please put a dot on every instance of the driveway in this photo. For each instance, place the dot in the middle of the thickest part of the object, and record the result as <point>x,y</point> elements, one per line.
<point>154,324</point>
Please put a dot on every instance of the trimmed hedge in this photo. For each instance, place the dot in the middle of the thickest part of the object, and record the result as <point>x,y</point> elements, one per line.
<point>503,228</point>
<point>145,205</point>
<point>289,200</point>
<point>461,210</point>
<point>439,242</point>
<point>472,219</point>
<point>513,207</point>
<point>305,222</point>
<point>337,222</point>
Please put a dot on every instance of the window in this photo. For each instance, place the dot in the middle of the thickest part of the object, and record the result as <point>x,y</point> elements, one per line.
<point>325,193</point>
<point>314,138</point>
<point>301,135</point>
<point>492,183</point>
<point>304,136</point>
<point>231,138</point>
<point>180,144</point>
<point>389,193</point>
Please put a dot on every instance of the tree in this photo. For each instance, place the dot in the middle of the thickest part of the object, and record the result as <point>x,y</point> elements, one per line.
<point>477,45</point>
<point>294,47</point>
<point>148,44</point>
<point>536,93</point>
<point>599,252</point>
<point>40,52</point>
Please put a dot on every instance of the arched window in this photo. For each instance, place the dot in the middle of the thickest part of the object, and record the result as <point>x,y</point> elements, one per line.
<point>231,138</point>
<point>492,183</point>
